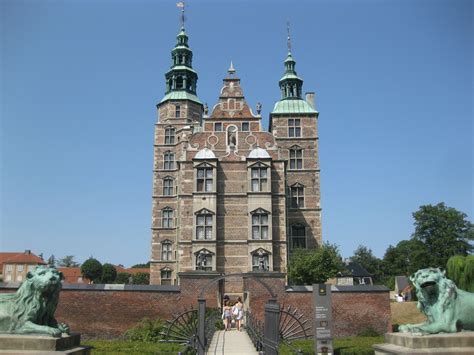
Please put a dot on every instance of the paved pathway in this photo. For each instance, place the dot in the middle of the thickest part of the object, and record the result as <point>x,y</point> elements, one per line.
<point>231,342</point>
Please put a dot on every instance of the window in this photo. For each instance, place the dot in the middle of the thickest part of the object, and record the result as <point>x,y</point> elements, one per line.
<point>204,226</point>
<point>260,261</point>
<point>19,278</point>
<point>19,268</point>
<point>294,127</point>
<point>168,186</point>
<point>298,236</point>
<point>167,218</point>
<point>204,179</point>
<point>166,276</point>
<point>177,112</point>
<point>169,135</point>
<point>245,127</point>
<point>218,126</point>
<point>9,268</point>
<point>166,250</point>
<point>260,226</point>
<point>259,179</point>
<point>297,196</point>
<point>296,158</point>
<point>168,163</point>
<point>204,260</point>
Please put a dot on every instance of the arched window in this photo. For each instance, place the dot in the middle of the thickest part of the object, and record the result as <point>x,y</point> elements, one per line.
<point>167,218</point>
<point>260,260</point>
<point>296,158</point>
<point>297,196</point>
<point>204,260</point>
<point>169,135</point>
<point>168,160</point>
<point>260,224</point>
<point>204,225</point>
<point>168,187</point>
<point>298,236</point>
<point>232,136</point>
<point>166,250</point>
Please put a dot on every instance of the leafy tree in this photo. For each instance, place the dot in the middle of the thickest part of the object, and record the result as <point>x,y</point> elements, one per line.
<point>91,269</point>
<point>139,266</point>
<point>141,278</point>
<point>67,261</point>
<point>122,278</point>
<point>307,267</point>
<point>460,269</point>
<point>404,258</point>
<point>444,232</point>
<point>51,260</point>
<point>365,258</point>
<point>109,273</point>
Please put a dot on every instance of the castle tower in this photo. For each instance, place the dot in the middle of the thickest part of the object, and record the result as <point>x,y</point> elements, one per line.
<point>179,115</point>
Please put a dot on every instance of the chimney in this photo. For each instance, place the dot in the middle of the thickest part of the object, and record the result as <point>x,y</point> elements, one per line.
<point>27,251</point>
<point>310,99</point>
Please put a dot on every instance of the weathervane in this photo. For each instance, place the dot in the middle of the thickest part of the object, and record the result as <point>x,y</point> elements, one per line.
<point>288,40</point>
<point>181,5</point>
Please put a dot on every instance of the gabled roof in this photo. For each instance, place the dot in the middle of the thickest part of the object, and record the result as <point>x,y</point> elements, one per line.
<point>356,270</point>
<point>20,258</point>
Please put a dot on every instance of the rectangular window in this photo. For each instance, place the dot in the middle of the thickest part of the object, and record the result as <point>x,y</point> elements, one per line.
<point>177,111</point>
<point>166,277</point>
<point>259,179</point>
<point>168,163</point>
<point>294,127</point>
<point>168,187</point>
<point>245,126</point>
<point>259,226</point>
<point>9,268</point>
<point>19,268</point>
<point>296,159</point>
<point>297,196</point>
<point>169,135</point>
<point>167,218</point>
<point>298,236</point>
<point>204,180</point>
<point>166,251</point>
<point>218,127</point>
<point>204,226</point>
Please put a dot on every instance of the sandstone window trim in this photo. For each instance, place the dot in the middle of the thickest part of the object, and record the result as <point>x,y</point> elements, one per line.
<point>168,186</point>
<point>167,218</point>
<point>205,221</point>
<point>166,276</point>
<point>204,178</point>
<point>297,199</point>
<point>232,136</point>
<point>167,250</point>
<point>260,260</point>
<point>294,127</point>
<point>298,236</point>
<point>168,160</point>
<point>204,260</point>
<point>170,134</point>
<point>260,225</point>
<point>296,157</point>
<point>259,178</point>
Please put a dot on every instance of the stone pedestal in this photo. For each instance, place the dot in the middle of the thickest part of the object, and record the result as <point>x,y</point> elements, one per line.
<point>407,343</point>
<point>42,344</point>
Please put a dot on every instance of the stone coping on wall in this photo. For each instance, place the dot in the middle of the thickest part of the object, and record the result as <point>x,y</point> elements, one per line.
<point>105,287</point>
<point>341,288</point>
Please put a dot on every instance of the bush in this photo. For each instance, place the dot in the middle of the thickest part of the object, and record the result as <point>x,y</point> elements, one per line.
<point>109,273</point>
<point>146,330</point>
<point>91,269</point>
<point>368,332</point>
<point>141,278</point>
<point>122,278</point>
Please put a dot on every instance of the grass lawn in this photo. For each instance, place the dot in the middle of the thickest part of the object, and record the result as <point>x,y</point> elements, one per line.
<point>343,346</point>
<point>132,347</point>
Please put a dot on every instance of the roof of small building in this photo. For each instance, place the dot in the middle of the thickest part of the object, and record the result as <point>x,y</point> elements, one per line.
<point>26,257</point>
<point>290,106</point>
<point>180,95</point>
<point>259,153</point>
<point>205,153</point>
<point>356,270</point>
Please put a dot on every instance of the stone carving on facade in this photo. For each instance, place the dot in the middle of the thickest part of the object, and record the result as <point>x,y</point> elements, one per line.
<point>447,308</point>
<point>31,309</point>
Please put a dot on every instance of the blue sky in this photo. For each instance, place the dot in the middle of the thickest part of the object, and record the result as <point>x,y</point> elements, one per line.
<point>80,81</point>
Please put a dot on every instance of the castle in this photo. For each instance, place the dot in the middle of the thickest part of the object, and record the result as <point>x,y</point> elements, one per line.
<point>229,196</point>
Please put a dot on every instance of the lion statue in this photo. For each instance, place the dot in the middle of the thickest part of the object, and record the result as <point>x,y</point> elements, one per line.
<point>447,308</point>
<point>31,309</point>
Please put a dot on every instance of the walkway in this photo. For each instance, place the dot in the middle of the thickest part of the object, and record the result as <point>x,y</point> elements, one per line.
<point>231,342</point>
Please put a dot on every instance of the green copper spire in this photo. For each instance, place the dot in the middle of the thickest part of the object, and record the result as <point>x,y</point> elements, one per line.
<point>290,83</point>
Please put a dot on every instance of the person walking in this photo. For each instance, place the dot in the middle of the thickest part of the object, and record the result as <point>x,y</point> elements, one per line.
<point>238,313</point>
<point>227,316</point>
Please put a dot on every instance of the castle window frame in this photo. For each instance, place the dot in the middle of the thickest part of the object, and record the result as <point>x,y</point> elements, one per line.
<point>260,260</point>
<point>260,225</point>
<point>294,127</point>
<point>168,186</point>
<point>298,238</point>
<point>204,225</point>
<point>177,111</point>
<point>168,160</point>
<point>204,260</point>
<point>297,196</point>
<point>259,178</point>
<point>204,178</point>
<point>218,127</point>
<point>167,218</point>
<point>245,126</point>
<point>166,250</point>
<point>166,276</point>
<point>296,158</point>
<point>170,133</point>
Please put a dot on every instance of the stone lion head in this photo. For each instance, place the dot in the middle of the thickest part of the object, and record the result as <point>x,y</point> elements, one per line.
<point>429,281</point>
